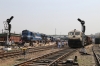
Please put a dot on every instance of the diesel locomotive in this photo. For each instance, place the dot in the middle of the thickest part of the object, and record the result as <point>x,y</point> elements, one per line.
<point>75,39</point>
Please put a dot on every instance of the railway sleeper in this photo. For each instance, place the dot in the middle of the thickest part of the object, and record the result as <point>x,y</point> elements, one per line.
<point>1,56</point>
<point>54,57</point>
<point>40,57</point>
<point>17,53</point>
<point>30,51</point>
<point>5,55</point>
<point>43,61</point>
<point>36,64</point>
<point>10,55</point>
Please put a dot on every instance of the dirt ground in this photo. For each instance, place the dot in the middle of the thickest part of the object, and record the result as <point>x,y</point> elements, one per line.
<point>84,60</point>
<point>12,61</point>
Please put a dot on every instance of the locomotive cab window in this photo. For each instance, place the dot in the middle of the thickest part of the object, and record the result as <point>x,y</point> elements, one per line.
<point>31,33</point>
<point>71,33</point>
<point>77,33</point>
<point>24,33</point>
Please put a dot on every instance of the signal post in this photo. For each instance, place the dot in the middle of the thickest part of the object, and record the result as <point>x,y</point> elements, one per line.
<point>83,50</point>
<point>7,27</point>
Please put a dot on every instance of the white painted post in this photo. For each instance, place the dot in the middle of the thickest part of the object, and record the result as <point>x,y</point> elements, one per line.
<point>7,38</point>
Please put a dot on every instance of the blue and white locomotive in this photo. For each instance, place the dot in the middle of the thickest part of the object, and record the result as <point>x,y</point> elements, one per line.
<point>30,36</point>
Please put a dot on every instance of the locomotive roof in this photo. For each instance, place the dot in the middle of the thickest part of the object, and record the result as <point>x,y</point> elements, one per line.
<point>75,31</point>
<point>34,32</point>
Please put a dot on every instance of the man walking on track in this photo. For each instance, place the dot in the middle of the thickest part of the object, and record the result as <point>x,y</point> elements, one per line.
<point>19,44</point>
<point>59,44</point>
<point>62,43</point>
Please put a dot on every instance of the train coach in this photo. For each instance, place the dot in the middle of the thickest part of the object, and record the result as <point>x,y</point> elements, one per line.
<point>75,39</point>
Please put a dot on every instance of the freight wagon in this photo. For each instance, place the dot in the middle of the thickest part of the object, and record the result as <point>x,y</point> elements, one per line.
<point>15,37</point>
<point>97,38</point>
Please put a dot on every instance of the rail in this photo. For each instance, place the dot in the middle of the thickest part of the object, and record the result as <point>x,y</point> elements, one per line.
<point>20,52</point>
<point>96,57</point>
<point>61,57</point>
<point>47,59</point>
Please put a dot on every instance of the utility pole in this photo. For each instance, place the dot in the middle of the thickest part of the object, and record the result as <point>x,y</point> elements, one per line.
<point>55,32</point>
<point>2,31</point>
<point>60,34</point>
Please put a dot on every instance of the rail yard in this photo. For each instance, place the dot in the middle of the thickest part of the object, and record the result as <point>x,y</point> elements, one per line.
<point>38,49</point>
<point>50,55</point>
<point>49,33</point>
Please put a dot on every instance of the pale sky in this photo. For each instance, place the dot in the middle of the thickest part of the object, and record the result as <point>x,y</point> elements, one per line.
<point>45,15</point>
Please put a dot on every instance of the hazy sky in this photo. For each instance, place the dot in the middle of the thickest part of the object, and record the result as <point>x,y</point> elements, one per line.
<point>45,15</point>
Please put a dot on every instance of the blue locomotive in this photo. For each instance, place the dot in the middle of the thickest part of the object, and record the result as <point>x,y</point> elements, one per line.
<point>30,36</point>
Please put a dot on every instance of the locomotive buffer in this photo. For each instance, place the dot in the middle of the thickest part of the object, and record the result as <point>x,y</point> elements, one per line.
<point>83,50</point>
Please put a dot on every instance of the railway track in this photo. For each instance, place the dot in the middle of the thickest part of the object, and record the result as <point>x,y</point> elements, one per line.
<point>19,52</point>
<point>49,59</point>
<point>96,52</point>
